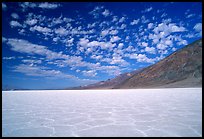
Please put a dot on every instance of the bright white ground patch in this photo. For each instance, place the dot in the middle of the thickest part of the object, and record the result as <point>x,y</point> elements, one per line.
<point>135,112</point>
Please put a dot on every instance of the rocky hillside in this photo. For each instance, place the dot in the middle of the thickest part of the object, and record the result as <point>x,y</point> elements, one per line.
<point>182,68</point>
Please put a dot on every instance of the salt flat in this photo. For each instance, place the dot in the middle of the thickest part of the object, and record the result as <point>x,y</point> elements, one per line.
<point>133,112</point>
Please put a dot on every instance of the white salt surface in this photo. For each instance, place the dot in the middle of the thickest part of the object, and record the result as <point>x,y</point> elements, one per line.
<point>134,112</point>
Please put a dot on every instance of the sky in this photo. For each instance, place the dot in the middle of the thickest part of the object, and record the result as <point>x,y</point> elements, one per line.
<point>58,45</point>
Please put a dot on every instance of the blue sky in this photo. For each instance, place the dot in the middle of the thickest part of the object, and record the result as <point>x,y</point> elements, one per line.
<point>56,45</point>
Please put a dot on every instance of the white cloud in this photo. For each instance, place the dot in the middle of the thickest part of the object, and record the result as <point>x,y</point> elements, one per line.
<point>115,39</point>
<point>106,13</point>
<point>115,19</point>
<point>144,44</point>
<point>169,42</point>
<point>32,70</point>
<point>4,6</point>
<point>141,58</point>
<point>96,57</point>
<point>113,32</point>
<point>190,15</point>
<point>122,19</point>
<point>163,30</point>
<point>89,73</point>
<point>163,15</point>
<point>9,58</point>
<point>144,20</point>
<point>78,70</point>
<point>147,10</point>
<point>103,45</point>
<point>104,33</point>
<point>182,42</point>
<point>123,26</point>
<point>150,50</point>
<point>161,46</point>
<point>120,45</point>
<point>15,15</point>
<point>32,61</point>
<point>130,49</point>
<point>175,28</point>
<point>4,39</point>
<point>23,46</point>
<point>118,60</point>
<point>95,11</point>
<point>47,5</point>
<point>70,42</point>
<point>15,24</point>
<point>61,31</point>
<point>150,25</point>
<point>134,22</point>
<point>40,29</point>
<point>198,28</point>
<point>31,21</point>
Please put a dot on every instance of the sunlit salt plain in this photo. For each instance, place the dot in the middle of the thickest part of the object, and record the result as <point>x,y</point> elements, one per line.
<point>133,112</point>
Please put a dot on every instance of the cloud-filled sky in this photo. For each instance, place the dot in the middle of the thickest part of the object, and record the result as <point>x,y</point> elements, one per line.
<point>56,45</point>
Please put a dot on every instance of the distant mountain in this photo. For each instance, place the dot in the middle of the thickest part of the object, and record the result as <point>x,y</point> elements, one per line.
<point>110,83</point>
<point>182,68</point>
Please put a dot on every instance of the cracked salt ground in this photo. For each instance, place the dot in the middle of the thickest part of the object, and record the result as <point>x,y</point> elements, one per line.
<point>134,112</point>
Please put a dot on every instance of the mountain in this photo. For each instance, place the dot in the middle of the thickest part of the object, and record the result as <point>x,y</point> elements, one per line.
<point>110,83</point>
<point>182,68</point>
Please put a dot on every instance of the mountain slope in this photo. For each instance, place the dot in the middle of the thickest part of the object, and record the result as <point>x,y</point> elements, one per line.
<point>110,83</point>
<point>183,68</point>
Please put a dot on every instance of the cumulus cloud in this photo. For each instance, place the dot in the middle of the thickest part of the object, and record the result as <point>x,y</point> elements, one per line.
<point>31,21</point>
<point>150,50</point>
<point>47,5</point>
<point>123,26</point>
<point>103,45</point>
<point>96,57</point>
<point>161,46</point>
<point>150,25</point>
<point>106,13</point>
<point>118,60</point>
<point>141,58</point>
<point>168,28</point>
<point>144,44</point>
<point>147,10</point>
<point>40,29</point>
<point>4,6</point>
<point>15,24</point>
<point>120,45</point>
<point>115,39</point>
<point>113,32</point>
<point>89,73</point>
<point>61,31</point>
<point>115,19</point>
<point>122,19</point>
<point>70,42</point>
<point>135,22</point>
<point>198,28</point>
<point>182,42</point>
<point>104,33</point>
<point>15,15</point>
